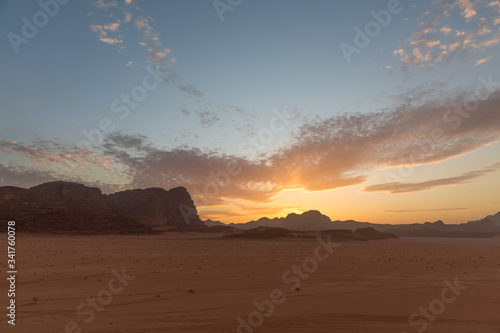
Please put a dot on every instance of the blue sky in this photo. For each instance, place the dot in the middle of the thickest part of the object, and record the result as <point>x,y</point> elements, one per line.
<point>223,82</point>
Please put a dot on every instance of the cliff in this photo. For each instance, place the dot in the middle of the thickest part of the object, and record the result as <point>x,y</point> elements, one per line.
<point>156,206</point>
<point>70,207</point>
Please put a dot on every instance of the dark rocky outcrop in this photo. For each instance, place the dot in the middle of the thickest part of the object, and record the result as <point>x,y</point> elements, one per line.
<point>484,228</point>
<point>269,233</point>
<point>156,206</point>
<point>75,208</point>
<point>212,223</point>
<point>66,222</point>
<point>363,234</point>
<point>71,196</point>
<point>204,229</point>
<point>370,233</point>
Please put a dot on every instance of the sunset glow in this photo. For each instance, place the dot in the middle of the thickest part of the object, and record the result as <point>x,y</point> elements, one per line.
<point>398,124</point>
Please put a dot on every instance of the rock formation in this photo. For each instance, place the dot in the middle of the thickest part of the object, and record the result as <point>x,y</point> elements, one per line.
<point>363,234</point>
<point>315,221</point>
<point>156,206</point>
<point>64,206</point>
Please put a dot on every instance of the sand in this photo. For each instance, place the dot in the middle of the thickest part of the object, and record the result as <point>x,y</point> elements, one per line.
<point>203,283</point>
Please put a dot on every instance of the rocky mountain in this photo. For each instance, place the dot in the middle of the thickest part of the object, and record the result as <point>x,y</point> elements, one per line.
<point>473,229</point>
<point>212,223</point>
<point>311,220</point>
<point>495,220</point>
<point>315,221</point>
<point>58,206</point>
<point>65,207</point>
<point>156,206</point>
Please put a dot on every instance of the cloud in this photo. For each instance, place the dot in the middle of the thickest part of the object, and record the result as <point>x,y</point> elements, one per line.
<point>439,40</point>
<point>111,41</point>
<point>334,152</point>
<point>424,210</point>
<point>248,209</point>
<point>446,30</point>
<point>466,178</point>
<point>467,7</point>
<point>117,33</point>
<point>207,118</point>
<point>103,30</point>
<point>190,90</point>
<point>26,165</point>
<point>150,39</point>
<point>103,4</point>
<point>128,17</point>
<point>158,56</point>
<point>211,214</point>
<point>112,26</point>
<point>202,172</point>
<point>142,24</point>
<point>23,177</point>
<point>50,153</point>
<point>137,141</point>
<point>481,61</point>
<point>495,5</point>
<point>322,154</point>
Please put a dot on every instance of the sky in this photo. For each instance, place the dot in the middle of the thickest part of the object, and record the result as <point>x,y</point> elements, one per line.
<point>379,111</point>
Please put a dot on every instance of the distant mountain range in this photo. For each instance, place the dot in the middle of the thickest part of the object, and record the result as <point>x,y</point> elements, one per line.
<point>72,208</point>
<point>311,220</point>
<point>315,221</point>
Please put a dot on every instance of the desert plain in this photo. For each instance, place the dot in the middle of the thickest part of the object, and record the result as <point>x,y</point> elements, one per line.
<point>188,282</point>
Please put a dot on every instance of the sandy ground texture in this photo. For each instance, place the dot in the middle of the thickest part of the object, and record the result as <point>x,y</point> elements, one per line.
<point>174,283</point>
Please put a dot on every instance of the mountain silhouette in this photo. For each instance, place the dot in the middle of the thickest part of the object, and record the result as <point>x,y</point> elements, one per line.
<point>316,221</point>
<point>66,207</point>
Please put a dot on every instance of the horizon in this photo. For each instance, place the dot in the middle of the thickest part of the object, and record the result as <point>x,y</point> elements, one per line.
<point>285,216</point>
<point>378,111</point>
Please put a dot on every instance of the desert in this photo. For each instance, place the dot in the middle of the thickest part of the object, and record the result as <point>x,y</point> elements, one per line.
<point>189,282</point>
<point>246,166</point>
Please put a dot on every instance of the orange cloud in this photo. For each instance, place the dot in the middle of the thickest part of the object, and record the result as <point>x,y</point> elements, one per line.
<point>467,178</point>
<point>481,61</point>
<point>424,210</point>
<point>322,154</point>
<point>437,40</point>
